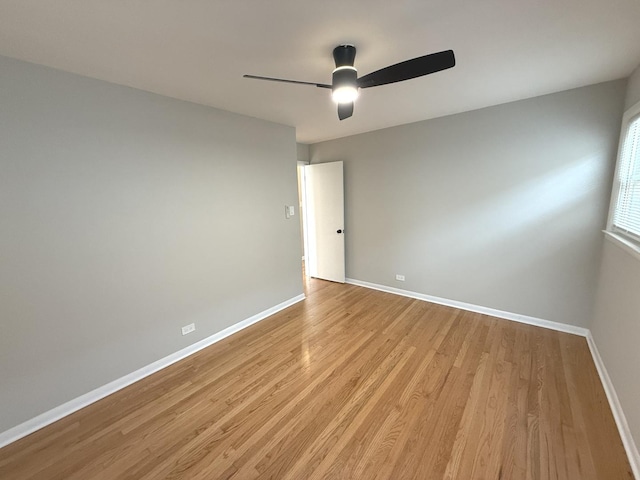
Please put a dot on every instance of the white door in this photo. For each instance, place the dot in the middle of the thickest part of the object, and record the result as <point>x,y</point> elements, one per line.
<point>325,220</point>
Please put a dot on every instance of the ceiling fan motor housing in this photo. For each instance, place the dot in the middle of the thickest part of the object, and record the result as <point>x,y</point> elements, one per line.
<point>344,77</point>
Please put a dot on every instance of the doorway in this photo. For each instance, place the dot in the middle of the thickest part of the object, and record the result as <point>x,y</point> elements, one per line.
<point>321,194</point>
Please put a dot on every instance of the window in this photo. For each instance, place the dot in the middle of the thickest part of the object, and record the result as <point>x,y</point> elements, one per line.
<point>625,215</point>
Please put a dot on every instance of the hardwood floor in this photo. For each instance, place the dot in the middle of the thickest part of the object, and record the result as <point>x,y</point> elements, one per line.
<point>349,384</point>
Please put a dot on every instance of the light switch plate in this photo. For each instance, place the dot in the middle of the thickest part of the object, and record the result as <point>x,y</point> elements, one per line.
<point>289,211</point>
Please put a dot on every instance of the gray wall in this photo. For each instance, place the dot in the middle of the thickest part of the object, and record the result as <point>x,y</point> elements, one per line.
<point>500,207</point>
<point>633,89</point>
<point>302,152</point>
<point>123,216</point>
<point>616,322</point>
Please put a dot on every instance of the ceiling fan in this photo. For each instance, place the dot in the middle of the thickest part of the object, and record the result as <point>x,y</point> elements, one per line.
<point>345,83</point>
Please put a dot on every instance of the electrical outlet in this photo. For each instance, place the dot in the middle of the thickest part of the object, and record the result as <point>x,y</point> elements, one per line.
<point>188,328</point>
<point>400,278</point>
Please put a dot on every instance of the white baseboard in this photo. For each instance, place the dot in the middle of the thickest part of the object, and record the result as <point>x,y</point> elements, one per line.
<point>55,414</point>
<point>618,414</point>
<point>616,409</point>
<point>516,317</point>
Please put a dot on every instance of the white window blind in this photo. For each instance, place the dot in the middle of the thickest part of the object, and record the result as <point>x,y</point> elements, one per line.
<point>626,215</point>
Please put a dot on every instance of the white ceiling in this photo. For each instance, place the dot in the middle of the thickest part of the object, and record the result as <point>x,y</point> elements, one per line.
<point>198,50</point>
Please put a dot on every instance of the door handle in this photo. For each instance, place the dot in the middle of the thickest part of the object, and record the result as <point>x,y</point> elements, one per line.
<point>339,231</point>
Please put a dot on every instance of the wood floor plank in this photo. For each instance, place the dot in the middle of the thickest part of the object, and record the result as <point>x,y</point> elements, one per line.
<point>351,383</point>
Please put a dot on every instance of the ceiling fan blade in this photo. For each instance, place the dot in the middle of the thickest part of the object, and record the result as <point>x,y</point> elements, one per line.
<point>345,110</point>
<point>409,69</point>
<point>271,79</point>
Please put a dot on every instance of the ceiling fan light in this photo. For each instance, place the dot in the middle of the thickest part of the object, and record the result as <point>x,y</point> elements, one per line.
<point>344,84</point>
<point>345,94</point>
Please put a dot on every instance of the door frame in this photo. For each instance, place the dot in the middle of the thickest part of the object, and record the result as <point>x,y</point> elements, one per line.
<point>301,166</point>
